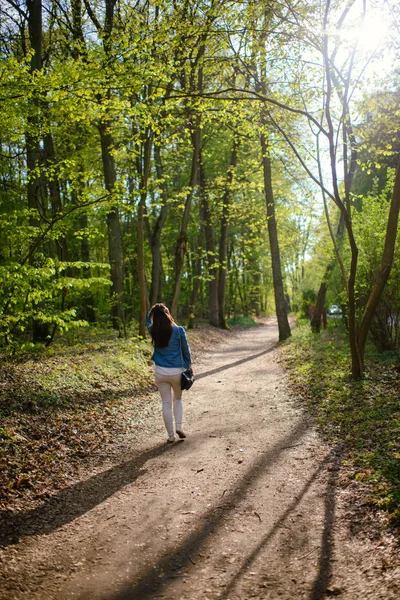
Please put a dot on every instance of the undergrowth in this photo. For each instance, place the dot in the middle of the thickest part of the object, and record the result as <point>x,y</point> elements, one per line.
<point>364,415</point>
<point>59,404</point>
<point>242,322</point>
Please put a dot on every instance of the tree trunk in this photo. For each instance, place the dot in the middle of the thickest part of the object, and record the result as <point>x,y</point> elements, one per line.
<point>357,359</point>
<point>280,303</point>
<point>316,318</point>
<point>144,171</point>
<point>87,300</point>
<point>319,306</point>
<point>35,32</point>
<point>156,269</point>
<point>33,154</point>
<point>141,269</point>
<point>155,241</point>
<point>180,249</point>
<point>223,240</point>
<point>78,50</point>
<point>77,31</point>
<point>110,177</point>
<point>381,276</point>
<point>231,281</point>
<point>194,122</point>
<point>196,278</point>
<point>35,191</point>
<point>55,197</point>
<point>210,248</point>
<point>255,291</point>
<point>114,234</point>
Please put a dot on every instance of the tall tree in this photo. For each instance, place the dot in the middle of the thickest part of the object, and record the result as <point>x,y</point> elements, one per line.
<point>143,167</point>
<point>261,85</point>
<point>180,249</point>
<point>192,84</point>
<point>339,84</point>
<point>280,301</point>
<point>35,185</point>
<point>223,239</point>
<point>104,126</point>
<point>156,293</point>
<point>210,246</point>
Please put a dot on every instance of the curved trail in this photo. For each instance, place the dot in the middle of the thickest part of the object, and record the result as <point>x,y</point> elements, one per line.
<point>245,507</point>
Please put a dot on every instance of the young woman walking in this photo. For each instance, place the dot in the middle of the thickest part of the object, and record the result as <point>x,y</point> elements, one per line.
<point>171,357</point>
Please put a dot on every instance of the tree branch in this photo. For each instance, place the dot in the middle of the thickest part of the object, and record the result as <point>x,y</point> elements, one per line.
<point>17,8</point>
<point>252,95</point>
<point>300,159</point>
<point>93,17</point>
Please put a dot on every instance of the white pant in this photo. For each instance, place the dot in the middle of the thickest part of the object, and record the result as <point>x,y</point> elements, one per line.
<point>169,387</point>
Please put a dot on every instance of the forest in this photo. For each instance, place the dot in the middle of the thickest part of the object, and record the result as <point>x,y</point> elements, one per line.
<point>226,158</point>
<point>239,161</point>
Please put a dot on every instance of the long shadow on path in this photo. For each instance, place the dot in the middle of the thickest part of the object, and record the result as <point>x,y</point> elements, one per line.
<point>321,582</point>
<point>235,364</point>
<point>73,501</point>
<point>156,578</point>
<point>77,499</point>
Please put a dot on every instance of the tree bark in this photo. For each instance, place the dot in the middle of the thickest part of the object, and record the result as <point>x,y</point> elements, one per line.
<point>280,303</point>
<point>180,249</point>
<point>254,301</point>
<point>319,305</point>
<point>357,359</point>
<point>194,122</point>
<point>316,318</point>
<point>144,170</point>
<point>114,233</point>
<point>223,240</point>
<point>35,185</point>
<point>77,31</point>
<point>55,196</point>
<point>78,49</point>
<point>33,154</point>
<point>210,248</point>
<point>260,71</point>
<point>110,177</point>
<point>382,274</point>
<point>141,269</point>
<point>155,240</point>
<point>196,278</point>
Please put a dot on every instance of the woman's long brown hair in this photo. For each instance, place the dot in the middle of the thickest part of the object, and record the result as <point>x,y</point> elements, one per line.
<point>161,328</point>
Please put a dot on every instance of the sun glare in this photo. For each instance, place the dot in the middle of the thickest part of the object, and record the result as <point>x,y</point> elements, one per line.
<point>372,32</point>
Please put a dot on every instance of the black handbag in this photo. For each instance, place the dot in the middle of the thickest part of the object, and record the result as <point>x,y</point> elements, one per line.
<point>187,377</point>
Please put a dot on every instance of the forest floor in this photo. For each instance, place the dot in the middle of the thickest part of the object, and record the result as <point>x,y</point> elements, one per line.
<point>252,504</point>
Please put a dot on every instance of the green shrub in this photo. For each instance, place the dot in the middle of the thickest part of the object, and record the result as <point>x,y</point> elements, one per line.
<point>363,415</point>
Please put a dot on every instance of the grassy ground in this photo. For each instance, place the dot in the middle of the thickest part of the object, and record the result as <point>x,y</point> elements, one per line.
<point>242,322</point>
<point>363,415</point>
<point>58,405</point>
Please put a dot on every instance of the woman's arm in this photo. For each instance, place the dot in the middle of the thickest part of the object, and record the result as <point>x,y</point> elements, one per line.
<point>187,356</point>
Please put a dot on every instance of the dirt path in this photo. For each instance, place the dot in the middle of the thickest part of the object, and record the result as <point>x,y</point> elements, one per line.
<point>248,506</point>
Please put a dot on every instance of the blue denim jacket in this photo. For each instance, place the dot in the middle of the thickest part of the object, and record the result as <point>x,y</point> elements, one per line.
<point>171,356</point>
